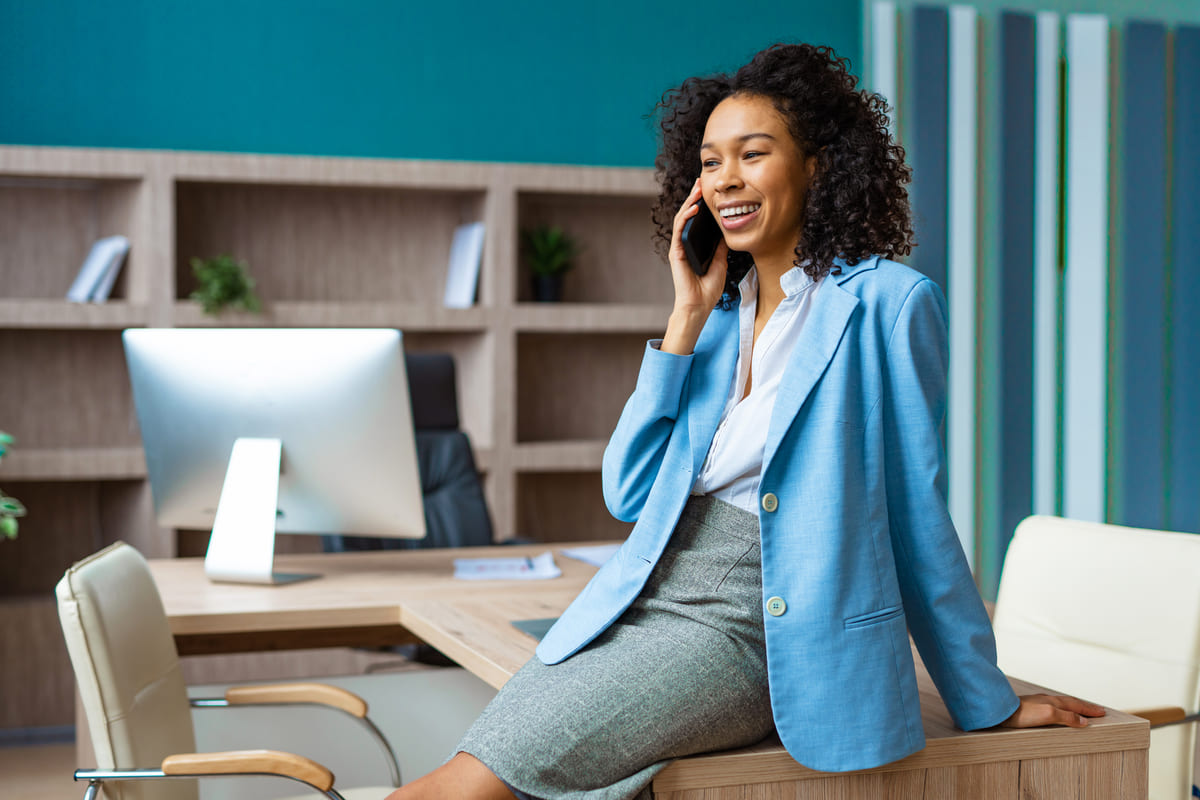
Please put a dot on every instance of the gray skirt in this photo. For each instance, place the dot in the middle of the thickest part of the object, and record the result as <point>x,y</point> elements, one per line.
<point>682,671</point>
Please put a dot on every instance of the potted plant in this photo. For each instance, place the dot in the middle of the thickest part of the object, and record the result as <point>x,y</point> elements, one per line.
<point>10,507</point>
<point>224,283</point>
<point>549,251</point>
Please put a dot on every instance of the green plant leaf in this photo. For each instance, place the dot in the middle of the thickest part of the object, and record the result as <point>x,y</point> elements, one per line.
<point>11,506</point>
<point>8,527</point>
<point>223,283</point>
<point>549,250</point>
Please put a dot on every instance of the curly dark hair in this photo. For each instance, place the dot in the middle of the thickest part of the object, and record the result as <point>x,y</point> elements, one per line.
<point>857,205</point>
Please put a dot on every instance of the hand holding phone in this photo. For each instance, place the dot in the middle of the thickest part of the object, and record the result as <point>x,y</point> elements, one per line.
<point>701,235</point>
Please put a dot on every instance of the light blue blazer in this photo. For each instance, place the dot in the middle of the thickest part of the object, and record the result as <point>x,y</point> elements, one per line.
<point>859,546</point>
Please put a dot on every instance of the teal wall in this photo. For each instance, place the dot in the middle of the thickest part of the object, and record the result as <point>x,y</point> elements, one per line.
<point>542,81</point>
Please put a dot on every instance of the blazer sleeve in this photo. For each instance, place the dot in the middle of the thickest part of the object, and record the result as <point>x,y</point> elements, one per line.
<point>635,451</point>
<point>945,613</point>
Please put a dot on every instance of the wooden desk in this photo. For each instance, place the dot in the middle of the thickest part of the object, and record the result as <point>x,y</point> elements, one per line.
<point>401,596</point>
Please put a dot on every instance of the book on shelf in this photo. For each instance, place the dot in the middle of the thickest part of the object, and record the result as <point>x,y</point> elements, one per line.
<point>96,277</point>
<point>462,273</point>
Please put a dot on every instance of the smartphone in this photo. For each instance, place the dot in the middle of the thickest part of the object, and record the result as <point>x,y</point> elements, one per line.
<point>701,235</point>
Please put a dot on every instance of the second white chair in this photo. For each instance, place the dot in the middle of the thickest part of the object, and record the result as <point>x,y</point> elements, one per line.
<point>1110,614</point>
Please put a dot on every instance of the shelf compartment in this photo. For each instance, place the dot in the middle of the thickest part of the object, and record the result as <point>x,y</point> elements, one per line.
<point>572,387</point>
<point>578,456</point>
<point>66,389</point>
<point>34,661</point>
<point>65,522</point>
<point>617,262</point>
<point>567,317</point>
<point>61,314</point>
<point>300,314</point>
<point>325,243</point>
<point>564,507</point>
<point>48,225</point>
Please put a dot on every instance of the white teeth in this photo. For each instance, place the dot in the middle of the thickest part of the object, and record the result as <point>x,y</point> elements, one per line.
<point>737,211</point>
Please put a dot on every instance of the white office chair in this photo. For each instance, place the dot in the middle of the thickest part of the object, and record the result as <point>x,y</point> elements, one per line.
<point>137,707</point>
<point>1110,614</point>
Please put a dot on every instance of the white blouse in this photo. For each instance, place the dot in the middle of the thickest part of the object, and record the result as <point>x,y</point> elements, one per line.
<point>733,466</point>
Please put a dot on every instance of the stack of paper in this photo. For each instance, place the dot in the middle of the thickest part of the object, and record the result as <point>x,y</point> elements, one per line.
<point>99,271</point>
<point>506,569</point>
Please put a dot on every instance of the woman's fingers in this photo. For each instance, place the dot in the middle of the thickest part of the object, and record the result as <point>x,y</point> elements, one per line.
<point>1080,706</point>
<point>692,290</point>
<point>1046,709</point>
<point>685,212</point>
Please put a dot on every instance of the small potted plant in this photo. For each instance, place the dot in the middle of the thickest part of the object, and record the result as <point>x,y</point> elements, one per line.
<point>550,252</point>
<point>10,507</point>
<point>224,283</point>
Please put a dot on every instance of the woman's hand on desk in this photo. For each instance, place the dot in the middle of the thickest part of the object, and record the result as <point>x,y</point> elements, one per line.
<point>1052,709</point>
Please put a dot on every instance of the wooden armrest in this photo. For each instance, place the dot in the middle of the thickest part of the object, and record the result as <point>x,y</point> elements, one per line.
<point>1160,716</point>
<point>320,693</point>
<point>241,762</point>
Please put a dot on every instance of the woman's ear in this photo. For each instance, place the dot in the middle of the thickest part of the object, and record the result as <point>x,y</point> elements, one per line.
<point>810,164</point>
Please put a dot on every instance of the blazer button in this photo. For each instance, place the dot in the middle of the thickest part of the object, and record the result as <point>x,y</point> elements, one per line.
<point>770,502</point>
<point>776,606</point>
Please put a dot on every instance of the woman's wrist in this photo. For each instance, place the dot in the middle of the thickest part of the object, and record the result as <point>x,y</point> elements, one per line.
<point>683,330</point>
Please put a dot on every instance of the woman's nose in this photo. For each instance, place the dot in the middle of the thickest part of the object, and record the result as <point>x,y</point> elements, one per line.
<point>728,180</point>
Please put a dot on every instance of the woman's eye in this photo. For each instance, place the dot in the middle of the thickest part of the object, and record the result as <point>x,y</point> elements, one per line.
<point>708,162</point>
<point>752,154</point>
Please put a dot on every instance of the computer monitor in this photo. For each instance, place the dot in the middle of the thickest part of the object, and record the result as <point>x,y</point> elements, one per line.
<point>253,431</point>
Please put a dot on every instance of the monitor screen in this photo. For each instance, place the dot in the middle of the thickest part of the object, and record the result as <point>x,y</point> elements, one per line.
<point>336,402</point>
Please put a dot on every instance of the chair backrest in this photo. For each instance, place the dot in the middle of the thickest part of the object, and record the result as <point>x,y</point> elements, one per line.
<point>127,669</point>
<point>1110,614</point>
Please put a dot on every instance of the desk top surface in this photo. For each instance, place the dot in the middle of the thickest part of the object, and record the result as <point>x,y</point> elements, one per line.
<point>470,621</point>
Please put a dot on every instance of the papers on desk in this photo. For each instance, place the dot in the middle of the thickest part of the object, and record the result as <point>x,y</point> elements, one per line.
<point>507,569</point>
<point>595,555</point>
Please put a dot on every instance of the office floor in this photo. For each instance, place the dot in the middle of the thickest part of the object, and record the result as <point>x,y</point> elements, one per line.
<point>41,772</point>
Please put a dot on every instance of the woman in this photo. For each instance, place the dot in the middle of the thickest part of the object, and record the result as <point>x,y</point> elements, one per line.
<point>781,453</point>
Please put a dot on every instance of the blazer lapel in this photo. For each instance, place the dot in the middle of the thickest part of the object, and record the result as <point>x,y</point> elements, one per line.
<point>813,351</point>
<point>709,381</point>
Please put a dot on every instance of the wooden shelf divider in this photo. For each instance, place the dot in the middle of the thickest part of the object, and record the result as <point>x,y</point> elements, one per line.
<point>568,456</point>
<point>74,464</point>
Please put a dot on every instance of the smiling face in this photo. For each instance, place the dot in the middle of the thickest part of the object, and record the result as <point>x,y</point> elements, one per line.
<point>755,178</point>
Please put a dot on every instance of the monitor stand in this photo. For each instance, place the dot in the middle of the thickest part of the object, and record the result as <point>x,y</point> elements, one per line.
<point>242,547</point>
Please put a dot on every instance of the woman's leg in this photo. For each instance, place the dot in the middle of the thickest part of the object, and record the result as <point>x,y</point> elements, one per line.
<point>463,776</point>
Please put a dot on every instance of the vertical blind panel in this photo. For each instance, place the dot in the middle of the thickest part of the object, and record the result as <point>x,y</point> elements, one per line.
<point>1140,477</point>
<point>1086,286</point>
<point>1046,266</point>
<point>884,75</point>
<point>928,127</point>
<point>962,266</point>
<point>1017,207</point>
<point>1184,486</point>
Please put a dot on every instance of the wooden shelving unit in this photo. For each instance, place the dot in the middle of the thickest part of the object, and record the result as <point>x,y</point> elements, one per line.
<point>331,242</point>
